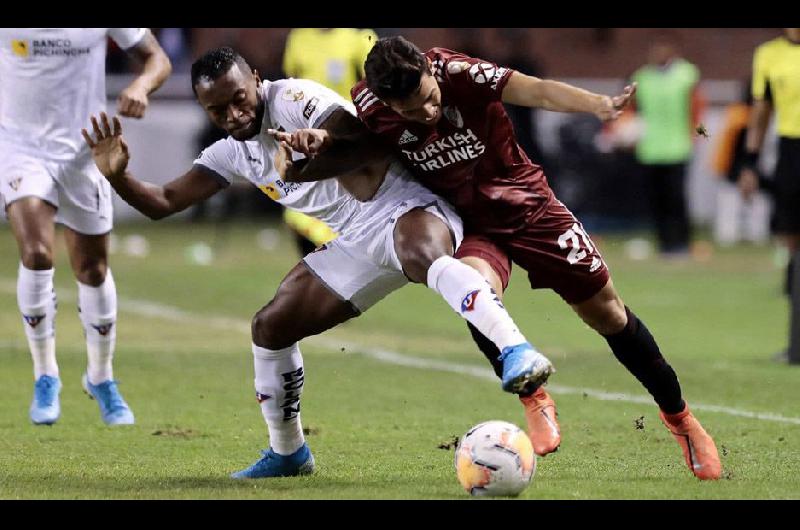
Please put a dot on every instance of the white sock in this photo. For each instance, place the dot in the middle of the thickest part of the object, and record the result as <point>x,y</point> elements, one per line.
<point>279,384</point>
<point>471,296</point>
<point>36,299</point>
<point>98,313</point>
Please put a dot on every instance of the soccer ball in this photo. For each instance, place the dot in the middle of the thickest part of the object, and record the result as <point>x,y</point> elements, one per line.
<point>495,458</point>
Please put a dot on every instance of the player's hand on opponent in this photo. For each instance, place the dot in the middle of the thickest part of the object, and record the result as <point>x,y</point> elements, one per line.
<point>109,150</point>
<point>307,141</point>
<point>283,159</point>
<point>611,107</point>
<point>132,102</point>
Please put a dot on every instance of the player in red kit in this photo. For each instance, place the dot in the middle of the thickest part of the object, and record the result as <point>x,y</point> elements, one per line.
<point>443,113</point>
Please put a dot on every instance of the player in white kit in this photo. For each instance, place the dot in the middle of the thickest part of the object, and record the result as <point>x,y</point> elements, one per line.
<point>51,81</point>
<point>392,230</point>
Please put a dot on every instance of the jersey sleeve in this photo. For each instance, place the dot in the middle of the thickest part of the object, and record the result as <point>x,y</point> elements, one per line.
<point>477,79</point>
<point>373,112</point>
<point>760,74</point>
<point>219,161</point>
<point>304,104</point>
<point>127,37</point>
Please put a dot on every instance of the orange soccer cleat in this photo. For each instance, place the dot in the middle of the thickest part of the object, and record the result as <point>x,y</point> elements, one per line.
<point>543,430</point>
<point>699,449</point>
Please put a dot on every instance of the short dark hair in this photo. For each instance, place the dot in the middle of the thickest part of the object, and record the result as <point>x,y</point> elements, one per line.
<point>394,68</point>
<point>215,63</point>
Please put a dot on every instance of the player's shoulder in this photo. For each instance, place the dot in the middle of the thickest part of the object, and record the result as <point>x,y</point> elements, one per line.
<point>770,48</point>
<point>283,93</point>
<point>366,102</point>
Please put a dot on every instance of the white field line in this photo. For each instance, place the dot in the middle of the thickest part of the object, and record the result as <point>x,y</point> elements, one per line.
<point>156,310</point>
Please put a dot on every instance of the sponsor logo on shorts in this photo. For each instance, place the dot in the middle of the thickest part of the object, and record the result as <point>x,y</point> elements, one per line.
<point>33,320</point>
<point>596,264</point>
<point>311,106</point>
<point>262,397</point>
<point>14,183</point>
<point>468,303</point>
<point>103,329</point>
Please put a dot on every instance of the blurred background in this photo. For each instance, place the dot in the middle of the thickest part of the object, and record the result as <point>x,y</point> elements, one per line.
<point>593,169</point>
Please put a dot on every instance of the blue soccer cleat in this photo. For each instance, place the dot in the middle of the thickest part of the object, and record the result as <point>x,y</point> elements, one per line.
<point>113,409</point>
<point>301,462</point>
<point>524,368</point>
<point>45,407</point>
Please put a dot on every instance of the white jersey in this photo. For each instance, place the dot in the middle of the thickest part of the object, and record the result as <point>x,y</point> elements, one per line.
<point>293,104</point>
<point>51,81</point>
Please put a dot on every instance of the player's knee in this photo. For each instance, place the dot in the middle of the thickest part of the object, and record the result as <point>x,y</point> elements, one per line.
<point>37,256</point>
<point>92,273</point>
<point>267,330</point>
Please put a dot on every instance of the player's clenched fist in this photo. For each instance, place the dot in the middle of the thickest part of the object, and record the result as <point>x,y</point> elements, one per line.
<point>132,102</point>
<point>109,150</point>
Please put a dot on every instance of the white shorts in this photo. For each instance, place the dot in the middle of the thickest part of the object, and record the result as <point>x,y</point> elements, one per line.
<point>365,270</point>
<point>76,188</point>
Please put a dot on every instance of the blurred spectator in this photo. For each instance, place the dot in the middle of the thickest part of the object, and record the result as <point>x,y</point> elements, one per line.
<point>333,57</point>
<point>175,42</point>
<point>669,104</point>
<point>737,218</point>
<point>776,85</point>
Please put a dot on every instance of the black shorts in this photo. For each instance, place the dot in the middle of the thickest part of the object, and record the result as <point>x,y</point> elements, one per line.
<point>786,216</point>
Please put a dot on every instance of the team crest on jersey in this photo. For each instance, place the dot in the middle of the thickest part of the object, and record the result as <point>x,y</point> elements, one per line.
<point>468,303</point>
<point>103,329</point>
<point>20,47</point>
<point>290,94</point>
<point>14,183</point>
<point>453,116</point>
<point>456,67</point>
<point>33,320</point>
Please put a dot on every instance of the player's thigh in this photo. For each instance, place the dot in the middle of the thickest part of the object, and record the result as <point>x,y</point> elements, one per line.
<point>302,306</point>
<point>30,197</point>
<point>558,254</point>
<point>420,238</point>
<point>487,257</point>
<point>604,312</point>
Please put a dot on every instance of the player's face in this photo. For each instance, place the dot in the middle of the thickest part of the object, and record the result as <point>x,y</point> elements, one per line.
<point>232,103</point>
<point>424,105</point>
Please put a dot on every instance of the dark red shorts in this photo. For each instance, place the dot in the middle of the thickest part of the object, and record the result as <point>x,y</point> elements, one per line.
<point>555,250</point>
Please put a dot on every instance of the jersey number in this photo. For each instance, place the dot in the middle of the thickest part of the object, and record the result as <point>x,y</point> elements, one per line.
<point>570,238</point>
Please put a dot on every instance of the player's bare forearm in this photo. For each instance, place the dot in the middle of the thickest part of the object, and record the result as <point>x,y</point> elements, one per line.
<point>757,126</point>
<point>156,66</point>
<point>345,155</point>
<point>149,199</point>
<point>556,96</point>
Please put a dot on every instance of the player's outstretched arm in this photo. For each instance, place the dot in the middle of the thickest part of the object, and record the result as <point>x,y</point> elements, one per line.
<point>531,91</point>
<point>156,67</point>
<point>340,146</point>
<point>111,155</point>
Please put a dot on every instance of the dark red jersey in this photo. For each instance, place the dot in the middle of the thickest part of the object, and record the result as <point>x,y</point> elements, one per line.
<point>471,156</point>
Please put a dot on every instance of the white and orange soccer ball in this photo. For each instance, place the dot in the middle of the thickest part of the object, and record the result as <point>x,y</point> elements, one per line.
<point>495,458</point>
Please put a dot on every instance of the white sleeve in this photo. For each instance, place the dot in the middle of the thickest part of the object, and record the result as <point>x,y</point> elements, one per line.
<point>303,104</point>
<point>219,160</point>
<point>127,37</point>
